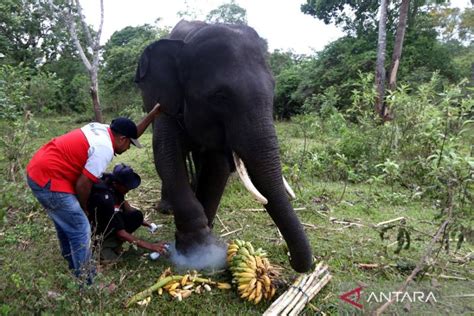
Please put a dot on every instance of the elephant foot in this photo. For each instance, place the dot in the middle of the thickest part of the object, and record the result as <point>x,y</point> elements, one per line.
<point>164,207</point>
<point>199,250</point>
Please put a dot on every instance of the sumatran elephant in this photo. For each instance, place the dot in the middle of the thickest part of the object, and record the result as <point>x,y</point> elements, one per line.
<point>216,94</point>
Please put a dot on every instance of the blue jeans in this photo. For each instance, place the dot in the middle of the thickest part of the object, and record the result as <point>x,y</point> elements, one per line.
<point>72,227</point>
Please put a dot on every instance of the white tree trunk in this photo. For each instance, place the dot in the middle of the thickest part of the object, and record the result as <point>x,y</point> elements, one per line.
<point>380,65</point>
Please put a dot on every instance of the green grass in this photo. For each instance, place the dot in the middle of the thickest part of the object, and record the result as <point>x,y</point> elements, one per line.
<point>35,278</point>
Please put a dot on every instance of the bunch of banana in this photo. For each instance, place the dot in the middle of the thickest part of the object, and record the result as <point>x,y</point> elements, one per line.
<point>177,286</point>
<point>252,271</point>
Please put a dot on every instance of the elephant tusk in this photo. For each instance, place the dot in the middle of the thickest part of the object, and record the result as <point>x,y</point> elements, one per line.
<point>244,176</point>
<point>288,189</point>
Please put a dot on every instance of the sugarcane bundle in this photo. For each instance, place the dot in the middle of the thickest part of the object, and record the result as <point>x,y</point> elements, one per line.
<point>300,292</point>
<point>177,286</point>
<point>251,271</point>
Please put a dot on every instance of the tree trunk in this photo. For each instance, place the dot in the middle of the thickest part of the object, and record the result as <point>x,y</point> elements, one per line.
<point>397,49</point>
<point>92,43</point>
<point>380,65</point>
<point>94,91</point>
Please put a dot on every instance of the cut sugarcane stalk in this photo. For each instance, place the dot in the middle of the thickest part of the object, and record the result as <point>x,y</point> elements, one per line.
<point>302,291</point>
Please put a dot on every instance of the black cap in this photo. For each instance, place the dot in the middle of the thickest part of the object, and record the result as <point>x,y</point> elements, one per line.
<point>126,176</point>
<point>127,128</point>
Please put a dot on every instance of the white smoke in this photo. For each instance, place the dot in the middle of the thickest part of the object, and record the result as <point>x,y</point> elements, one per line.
<point>210,256</point>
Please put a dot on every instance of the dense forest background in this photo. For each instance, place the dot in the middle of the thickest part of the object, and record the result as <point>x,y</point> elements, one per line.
<point>37,51</point>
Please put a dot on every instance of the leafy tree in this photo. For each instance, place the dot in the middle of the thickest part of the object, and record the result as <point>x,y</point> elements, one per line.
<point>30,32</point>
<point>279,60</point>
<point>230,13</point>
<point>121,54</point>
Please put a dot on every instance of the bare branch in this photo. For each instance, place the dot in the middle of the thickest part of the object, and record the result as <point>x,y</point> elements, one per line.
<point>96,46</point>
<point>78,6</point>
<point>75,38</point>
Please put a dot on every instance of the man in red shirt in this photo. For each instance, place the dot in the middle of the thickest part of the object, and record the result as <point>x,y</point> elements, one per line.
<point>61,175</point>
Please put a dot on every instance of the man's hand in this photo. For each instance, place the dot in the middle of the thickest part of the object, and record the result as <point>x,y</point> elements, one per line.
<point>141,127</point>
<point>156,109</point>
<point>83,190</point>
<point>160,247</point>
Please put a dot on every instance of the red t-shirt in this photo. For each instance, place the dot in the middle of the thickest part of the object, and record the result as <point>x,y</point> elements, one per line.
<point>65,158</point>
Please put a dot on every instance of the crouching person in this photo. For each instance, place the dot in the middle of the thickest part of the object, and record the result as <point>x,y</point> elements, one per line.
<point>111,216</point>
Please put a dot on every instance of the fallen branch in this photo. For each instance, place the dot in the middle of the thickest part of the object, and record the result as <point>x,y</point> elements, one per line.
<point>447,277</point>
<point>346,223</point>
<point>222,223</point>
<point>368,265</point>
<point>398,219</point>
<point>231,232</point>
<point>264,210</point>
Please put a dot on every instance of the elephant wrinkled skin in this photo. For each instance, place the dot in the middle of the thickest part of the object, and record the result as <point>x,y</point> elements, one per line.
<point>216,94</point>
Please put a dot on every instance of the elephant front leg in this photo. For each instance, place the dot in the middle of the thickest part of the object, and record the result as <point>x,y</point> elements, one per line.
<point>191,222</point>
<point>212,178</point>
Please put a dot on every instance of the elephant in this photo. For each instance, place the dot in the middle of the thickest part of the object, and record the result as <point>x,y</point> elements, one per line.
<point>216,93</point>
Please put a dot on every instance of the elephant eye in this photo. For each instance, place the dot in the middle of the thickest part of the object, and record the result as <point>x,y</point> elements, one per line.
<point>218,96</point>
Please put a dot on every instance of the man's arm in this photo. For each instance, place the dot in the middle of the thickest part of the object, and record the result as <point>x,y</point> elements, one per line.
<point>125,236</point>
<point>83,190</point>
<point>141,127</point>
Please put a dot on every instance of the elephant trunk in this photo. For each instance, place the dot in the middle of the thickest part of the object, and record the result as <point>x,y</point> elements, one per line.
<point>262,160</point>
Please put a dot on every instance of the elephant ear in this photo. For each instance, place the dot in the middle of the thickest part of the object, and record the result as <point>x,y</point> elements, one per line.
<point>157,76</point>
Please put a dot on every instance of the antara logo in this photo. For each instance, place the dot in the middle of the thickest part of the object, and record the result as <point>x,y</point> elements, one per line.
<point>353,297</point>
<point>401,297</point>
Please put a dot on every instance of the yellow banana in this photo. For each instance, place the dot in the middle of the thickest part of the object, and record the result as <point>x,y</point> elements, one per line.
<point>250,248</point>
<point>185,293</point>
<point>174,286</point>
<point>272,293</point>
<point>251,262</point>
<point>244,252</point>
<point>252,295</point>
<point>224,286</point>
<point>259,261</point>
<point>258,298</point>
<point>245,274</point>
<point>184,279</point>
<point>266,282</point>
<point>243,287</point>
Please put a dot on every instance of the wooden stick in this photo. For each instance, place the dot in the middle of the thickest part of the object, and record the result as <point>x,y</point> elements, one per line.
<point>398,219</point>
<point>309,225</point>
<point>263,210</point>
<point>368,265</point>
<point>447,277</point>
<point>234,231</point>
<point>223,225</point>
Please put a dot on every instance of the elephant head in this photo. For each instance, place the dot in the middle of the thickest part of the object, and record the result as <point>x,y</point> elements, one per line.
<point>216,92</point>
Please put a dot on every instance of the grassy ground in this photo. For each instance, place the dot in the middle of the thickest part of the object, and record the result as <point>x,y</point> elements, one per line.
<point>35,278</point>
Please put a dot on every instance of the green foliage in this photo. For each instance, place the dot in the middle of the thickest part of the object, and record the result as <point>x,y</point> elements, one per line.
<point>31,31</point>
<point>44,92</point>
<point>230,13</point>
<point>13,91</point>
<point>122,52</point>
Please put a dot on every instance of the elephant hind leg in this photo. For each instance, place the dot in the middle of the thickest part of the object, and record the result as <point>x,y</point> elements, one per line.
<point>212,178</point>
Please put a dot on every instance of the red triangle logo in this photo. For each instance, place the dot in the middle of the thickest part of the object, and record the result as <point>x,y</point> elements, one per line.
<point>348,297</point>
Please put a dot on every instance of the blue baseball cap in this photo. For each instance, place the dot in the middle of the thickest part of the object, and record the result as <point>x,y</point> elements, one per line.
<point>126,127</point>
<point>126,176</point>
